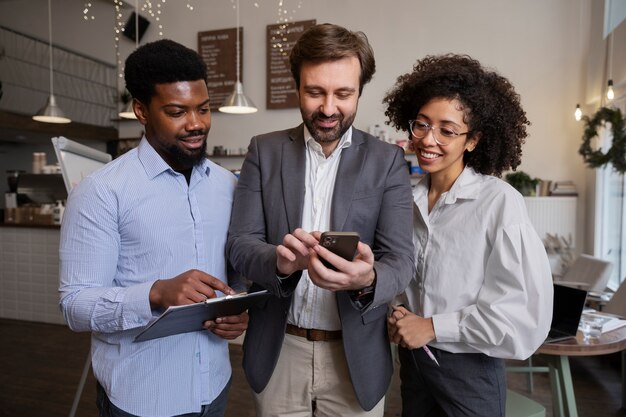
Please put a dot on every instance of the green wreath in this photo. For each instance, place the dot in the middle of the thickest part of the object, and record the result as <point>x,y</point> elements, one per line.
<point>616,155</point>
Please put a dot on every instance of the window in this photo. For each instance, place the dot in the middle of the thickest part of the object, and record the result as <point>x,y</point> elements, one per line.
<point>610,218</point>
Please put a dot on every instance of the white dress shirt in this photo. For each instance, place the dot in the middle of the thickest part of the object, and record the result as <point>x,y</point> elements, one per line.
<point>482,272</point>
<point>312,306</point>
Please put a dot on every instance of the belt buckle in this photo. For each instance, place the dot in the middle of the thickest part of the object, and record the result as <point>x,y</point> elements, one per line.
<point>309,335</point>
<point>316,335</point>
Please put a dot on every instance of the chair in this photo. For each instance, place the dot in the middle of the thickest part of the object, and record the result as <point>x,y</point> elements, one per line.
<point>617,304</point>
<point>518,405</point>
<point>588,273</point>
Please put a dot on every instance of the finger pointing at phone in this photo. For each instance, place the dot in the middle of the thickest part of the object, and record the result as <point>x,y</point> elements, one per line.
<point>350,275</point>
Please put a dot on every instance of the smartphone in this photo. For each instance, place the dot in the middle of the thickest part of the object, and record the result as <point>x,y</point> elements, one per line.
<point>340,243</point>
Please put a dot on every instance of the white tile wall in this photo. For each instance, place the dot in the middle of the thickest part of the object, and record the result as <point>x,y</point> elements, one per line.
<point>29,274</point>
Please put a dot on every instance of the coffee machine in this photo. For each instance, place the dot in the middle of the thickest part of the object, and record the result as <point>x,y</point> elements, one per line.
<point>31,197</point>
<point>10,197</point>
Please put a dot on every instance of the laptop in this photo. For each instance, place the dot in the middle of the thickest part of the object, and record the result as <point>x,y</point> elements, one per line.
<point>566,311</point>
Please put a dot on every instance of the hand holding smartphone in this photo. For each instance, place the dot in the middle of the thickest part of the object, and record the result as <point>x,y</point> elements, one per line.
<point>343,244</point>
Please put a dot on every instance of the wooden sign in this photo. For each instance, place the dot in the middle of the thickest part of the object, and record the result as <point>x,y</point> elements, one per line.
<point>218,49</point>
<point>281,88</point>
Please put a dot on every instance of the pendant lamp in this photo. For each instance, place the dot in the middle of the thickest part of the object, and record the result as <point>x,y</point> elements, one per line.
<point>128,112</point>
<point>51,113</point>
<point>578,113</point>
<point>238,102</point>
<point>610,94</point>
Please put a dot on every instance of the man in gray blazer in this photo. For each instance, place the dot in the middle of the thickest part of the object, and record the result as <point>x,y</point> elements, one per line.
<point>320,346</point>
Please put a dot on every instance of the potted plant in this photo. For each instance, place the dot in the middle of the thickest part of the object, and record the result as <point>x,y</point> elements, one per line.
<point>522,182</point>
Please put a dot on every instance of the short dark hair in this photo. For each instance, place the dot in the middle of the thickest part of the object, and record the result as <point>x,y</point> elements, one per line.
<point>161,62</point>
<point>328,42</point>
<point>491,107</point>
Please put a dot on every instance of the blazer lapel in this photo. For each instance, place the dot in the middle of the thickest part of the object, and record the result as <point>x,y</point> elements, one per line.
<point>293,167</point>
<point>348,173</point>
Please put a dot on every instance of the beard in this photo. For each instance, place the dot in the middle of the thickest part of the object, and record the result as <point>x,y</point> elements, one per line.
<point>188,158</point>
<point>327,135</point>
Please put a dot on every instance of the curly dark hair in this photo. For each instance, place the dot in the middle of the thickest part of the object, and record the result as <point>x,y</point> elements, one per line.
<point>328,42</point>
<point>491,107</point>
<point>161,62</point>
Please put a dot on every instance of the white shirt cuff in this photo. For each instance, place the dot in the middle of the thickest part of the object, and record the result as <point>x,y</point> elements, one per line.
<point>447,327</point>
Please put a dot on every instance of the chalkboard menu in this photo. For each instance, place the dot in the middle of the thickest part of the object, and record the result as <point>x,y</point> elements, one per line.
<point>281,89</point>
<point>218,49</point>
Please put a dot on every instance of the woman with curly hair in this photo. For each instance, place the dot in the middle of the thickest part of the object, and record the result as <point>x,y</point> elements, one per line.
<point>482,289</point>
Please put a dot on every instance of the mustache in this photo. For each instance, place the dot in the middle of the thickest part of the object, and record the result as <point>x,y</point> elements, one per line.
<point>322,116</point>
<point>194,133</point>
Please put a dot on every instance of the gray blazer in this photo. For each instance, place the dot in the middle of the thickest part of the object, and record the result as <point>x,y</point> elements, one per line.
<point>372,196</point>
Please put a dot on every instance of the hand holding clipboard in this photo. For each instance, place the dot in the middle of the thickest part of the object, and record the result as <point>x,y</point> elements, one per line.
<point>191,317</point>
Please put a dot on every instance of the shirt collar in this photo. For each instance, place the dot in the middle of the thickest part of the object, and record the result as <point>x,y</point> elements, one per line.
<point>311,143</point>
<point>467,187</point>
<point>154,164</point>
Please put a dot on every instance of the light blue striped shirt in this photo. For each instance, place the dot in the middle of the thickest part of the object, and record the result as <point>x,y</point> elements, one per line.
<point>128,224</point>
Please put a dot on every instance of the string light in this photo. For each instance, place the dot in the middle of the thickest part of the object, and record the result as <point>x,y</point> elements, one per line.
<point>117,29</point>
<point>284,18</point>
<point>87,15</point>
<point>156,14</point>
<point>128,112</point>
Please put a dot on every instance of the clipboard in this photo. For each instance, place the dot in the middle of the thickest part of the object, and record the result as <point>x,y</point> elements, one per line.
<point>190,317</point>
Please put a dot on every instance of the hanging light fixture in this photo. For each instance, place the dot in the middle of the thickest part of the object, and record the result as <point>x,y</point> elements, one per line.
<point>238,102</point>
<point>578,113</point>
<point>610,94</point>
<point>51,113</point>
<point>128,112</point>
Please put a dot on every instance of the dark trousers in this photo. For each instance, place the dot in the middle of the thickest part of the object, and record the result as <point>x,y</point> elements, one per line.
<point>215,409</point>
<point>465,384</point>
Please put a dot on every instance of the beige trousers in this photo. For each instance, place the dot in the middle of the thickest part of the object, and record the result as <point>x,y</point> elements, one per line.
<point>310,373</point>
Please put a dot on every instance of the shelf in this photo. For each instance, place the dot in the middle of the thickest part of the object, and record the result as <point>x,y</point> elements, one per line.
<point>14,124</point>
<point>228,156</point>
<point>123,119</point>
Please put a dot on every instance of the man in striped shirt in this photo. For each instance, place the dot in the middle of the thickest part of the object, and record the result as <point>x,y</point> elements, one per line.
<point>145,232</point>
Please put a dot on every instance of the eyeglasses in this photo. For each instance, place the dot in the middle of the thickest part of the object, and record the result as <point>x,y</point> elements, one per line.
<point>419,129</point>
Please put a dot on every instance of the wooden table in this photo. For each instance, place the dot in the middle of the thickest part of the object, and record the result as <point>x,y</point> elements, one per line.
<point>557,355</point>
